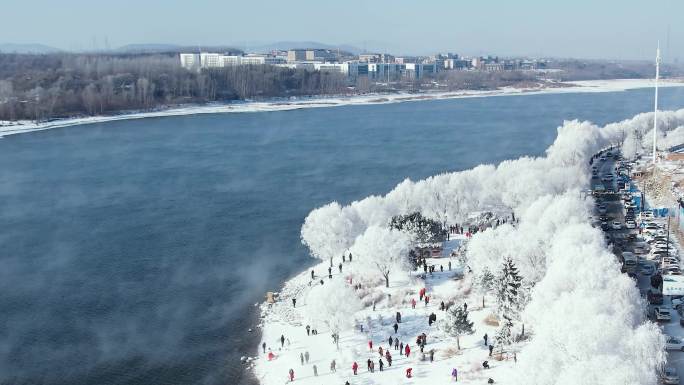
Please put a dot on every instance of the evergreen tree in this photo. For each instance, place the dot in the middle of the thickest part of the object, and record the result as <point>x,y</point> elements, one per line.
<point>504,336</point>
<point>457,324</point>
<point>485,283</point>
<point>508,290</point>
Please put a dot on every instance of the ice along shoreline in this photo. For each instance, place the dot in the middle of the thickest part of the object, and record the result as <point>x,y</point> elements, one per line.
<point>613,85</point>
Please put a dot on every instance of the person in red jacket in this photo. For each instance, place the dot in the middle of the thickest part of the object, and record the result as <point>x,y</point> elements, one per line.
<point>407,351</point>
<point>291,375</point>
<point>355,367</point>
<point>408,372</point>
<point>370,345</point>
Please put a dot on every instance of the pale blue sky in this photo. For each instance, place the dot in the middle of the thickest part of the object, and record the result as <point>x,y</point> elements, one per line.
<point>611,29</point>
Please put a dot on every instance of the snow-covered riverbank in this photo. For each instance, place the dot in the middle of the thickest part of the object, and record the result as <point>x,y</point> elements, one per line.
<point>7,128</point>
<point>584,320</point>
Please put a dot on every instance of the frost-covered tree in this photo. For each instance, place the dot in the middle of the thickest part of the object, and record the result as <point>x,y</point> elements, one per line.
<point>328,231</point>
<point>334,305</point>
<point>382,249</point>
<point>504,335</point>
<point>457,324</point>
<point>485,283</point>
<point>508,290</point>
<point>423,230</point>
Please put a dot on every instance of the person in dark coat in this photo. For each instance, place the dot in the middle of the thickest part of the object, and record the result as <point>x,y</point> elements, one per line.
<point>390,341</point>
<point>263,346</point>
<point>491,349</point>
<point>381,364</point>
<point>396,327</point>
<point>312,274</point>
<point>282,341</point>
<point>294,302</point>
<point>485,338</point>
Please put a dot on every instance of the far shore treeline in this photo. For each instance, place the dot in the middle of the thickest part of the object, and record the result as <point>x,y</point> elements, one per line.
<point>41,87</point>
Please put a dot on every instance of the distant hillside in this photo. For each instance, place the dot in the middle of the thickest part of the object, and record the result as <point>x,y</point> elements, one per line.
<point>284,45</point>
<point>27,48</point>
<point>174,48</point>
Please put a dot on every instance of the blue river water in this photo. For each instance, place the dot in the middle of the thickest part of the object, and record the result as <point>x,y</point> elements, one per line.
<point>133,252</point>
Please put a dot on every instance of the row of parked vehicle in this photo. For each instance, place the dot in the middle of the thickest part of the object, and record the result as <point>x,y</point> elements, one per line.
<point>641,244</point>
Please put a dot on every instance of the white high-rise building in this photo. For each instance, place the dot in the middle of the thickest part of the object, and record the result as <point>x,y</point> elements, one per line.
<point>190,61</point>
<point>208,60</point>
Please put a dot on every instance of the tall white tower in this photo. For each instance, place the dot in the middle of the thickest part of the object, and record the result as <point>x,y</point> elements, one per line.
<point>655,112</point>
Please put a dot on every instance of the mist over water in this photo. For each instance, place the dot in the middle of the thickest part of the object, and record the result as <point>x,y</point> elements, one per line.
<point>132,252</point>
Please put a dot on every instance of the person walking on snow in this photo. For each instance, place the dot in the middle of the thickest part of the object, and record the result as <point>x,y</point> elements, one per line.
<point>291,372</point>
<point>454,374</point>
<point>388,357</point>
<point>396,344</point>
<point>282,341</point>
<point>401,349</point>
<point>485,338</point>
<point>263,346</point>
<point>294,302</point>
<point>413,303</point>
<point>312,274</point>
<point>340,267</point>
<point>396,327</point>
<point>380,350</point>
<point>407,351</point>
<point>491,349</point>
<point>370,345</point>
<point>408,372</point>
<point>390,341</point>
<point>301,357</point>
<point>308,330</point>
<point>368,364</point>
<point>381,364</point>
<point>306,356</point>
<point>315,369</point>
<point>355,367</point>
<point>333,366</point>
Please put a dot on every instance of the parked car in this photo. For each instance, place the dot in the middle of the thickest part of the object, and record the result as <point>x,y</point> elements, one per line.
<point>670,376</point>
<point>661,314</point>
<point>647,269</point>
<point>630,224</point>
<point>602,209</point>
<point>673,343</point>
<point>617,225</point>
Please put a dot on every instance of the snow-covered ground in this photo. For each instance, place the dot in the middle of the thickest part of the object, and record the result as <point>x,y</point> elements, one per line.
<point>283,319</point>
<point>10,128</point>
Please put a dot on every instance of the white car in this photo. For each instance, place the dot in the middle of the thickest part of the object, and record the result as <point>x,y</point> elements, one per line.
<point>617,225</point>
<point>661,314</point>
<point>673,343</point>
<point>670,376</point>
<point>630,225</point>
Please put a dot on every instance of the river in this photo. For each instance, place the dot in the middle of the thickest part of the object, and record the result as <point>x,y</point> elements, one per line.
<point>133,252</point>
